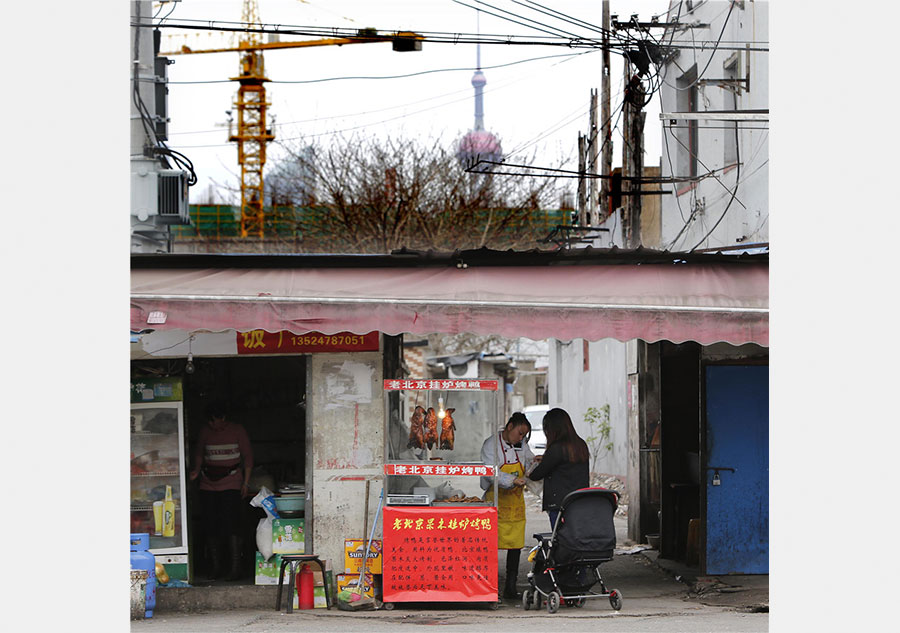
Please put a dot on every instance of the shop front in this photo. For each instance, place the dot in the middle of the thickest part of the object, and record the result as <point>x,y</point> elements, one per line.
<point>307,352</point>
<point>266,384</point>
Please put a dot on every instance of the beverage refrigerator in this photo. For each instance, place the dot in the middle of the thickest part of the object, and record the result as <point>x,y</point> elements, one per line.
<point>158,467</point>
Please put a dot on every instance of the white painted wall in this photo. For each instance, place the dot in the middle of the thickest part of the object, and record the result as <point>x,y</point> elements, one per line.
<point>575,390</point>
<point>346,411</point>
<point>746,221</point>
<point>701,208</point>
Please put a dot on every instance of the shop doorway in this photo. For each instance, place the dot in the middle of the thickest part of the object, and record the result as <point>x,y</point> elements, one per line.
<point>267,396</point>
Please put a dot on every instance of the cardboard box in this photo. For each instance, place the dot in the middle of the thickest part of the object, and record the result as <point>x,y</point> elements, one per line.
<point>266,571</point>
<point>351,581</point>
<point>288,536</point>
<point>353,556</point>
<point>319,594</point>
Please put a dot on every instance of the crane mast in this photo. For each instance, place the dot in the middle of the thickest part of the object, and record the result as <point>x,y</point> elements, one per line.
<point>252,132</point>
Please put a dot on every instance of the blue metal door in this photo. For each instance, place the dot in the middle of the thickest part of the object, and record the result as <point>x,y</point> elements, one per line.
<point>737,469</point>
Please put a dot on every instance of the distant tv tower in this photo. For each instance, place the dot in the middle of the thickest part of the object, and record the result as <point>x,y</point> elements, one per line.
<point>478,81</point>
<point>479,144</point>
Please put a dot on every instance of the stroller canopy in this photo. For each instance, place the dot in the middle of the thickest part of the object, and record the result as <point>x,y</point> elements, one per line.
<point>586,528</point>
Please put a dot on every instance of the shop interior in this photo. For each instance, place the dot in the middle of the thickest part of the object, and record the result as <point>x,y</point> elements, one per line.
<point>267,396</point>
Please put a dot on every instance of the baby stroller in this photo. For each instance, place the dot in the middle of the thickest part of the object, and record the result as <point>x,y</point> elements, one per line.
<point>565,562</point>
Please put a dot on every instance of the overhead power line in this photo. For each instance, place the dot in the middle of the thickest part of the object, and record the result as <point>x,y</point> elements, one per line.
<point>436,37</point>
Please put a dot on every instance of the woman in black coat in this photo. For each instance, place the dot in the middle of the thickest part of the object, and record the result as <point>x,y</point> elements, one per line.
<point>564,467</point>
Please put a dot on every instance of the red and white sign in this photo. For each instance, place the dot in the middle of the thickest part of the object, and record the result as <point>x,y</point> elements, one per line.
<point>414,384</point>
<point>473,470</point>
<point>440,554</point>
<point>263,342</point>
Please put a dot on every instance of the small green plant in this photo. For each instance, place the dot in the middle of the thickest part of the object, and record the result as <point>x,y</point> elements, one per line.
<point>598,440</point>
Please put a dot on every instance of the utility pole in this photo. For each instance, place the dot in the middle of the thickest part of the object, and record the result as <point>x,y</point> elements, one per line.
<point>581,184</point>
<point>632,155</point>
<point>606,123</point>
<point>594,151</point>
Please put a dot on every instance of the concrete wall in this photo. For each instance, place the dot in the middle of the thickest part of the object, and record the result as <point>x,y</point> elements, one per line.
<point>346,416</point>
<point>574,389</point>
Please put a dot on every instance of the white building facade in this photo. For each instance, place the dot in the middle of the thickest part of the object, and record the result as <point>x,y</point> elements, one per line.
<point>715,83</point>
<point>715,68</point>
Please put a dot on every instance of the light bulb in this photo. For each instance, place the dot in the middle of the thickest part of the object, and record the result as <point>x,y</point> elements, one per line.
<point>189,366</point>
<point>440,407</point>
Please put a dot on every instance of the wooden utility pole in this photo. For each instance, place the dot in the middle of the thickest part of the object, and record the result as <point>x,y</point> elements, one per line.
<point>632,156</point>
<point>581,189</point>
<point>593,164</point>
<point>637,159</point>
<point>605,122</point>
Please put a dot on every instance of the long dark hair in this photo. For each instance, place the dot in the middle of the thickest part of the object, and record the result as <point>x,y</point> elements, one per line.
<point>558,429</point>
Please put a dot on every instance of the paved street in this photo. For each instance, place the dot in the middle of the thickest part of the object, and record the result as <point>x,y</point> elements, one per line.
<point>637,615</point>
<point>653,601</point>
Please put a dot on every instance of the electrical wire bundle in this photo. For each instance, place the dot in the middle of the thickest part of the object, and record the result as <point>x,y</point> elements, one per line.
<point>158,148</point>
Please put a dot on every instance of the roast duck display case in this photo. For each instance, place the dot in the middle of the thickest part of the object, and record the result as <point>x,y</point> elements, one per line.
<point>440,534</point>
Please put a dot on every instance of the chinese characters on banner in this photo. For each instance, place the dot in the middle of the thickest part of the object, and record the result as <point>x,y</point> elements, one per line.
<point>440,554</point>
<point>395,384</point>
<point>284,342</point>
<point>477,470</point>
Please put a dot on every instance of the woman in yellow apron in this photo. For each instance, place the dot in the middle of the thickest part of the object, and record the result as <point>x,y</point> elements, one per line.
<point>511,453</point>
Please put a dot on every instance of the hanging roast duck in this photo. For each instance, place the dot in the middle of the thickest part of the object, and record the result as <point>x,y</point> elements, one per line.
<point>416,435</point>
<point>431,432</point>
<point>447,428</point>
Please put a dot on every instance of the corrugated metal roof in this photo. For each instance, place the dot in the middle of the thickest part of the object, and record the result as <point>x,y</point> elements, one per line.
<point>460,259</point>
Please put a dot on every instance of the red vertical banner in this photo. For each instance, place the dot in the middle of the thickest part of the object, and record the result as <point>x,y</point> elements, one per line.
<point>440,554</point>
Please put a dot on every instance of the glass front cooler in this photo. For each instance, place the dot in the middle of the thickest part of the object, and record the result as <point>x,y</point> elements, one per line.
<point>158,473</point>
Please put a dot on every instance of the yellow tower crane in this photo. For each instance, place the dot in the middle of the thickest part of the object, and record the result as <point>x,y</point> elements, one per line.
<point>252,133</point>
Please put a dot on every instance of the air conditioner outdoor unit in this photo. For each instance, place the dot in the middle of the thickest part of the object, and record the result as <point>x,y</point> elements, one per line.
<point>464,370</point>
<point>172,198</point>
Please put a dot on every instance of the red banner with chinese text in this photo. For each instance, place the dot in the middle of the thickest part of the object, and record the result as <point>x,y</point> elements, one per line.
<point>440,384</point>
<point>263,342</point>
<point>476,470</point>
<point>440,554</point>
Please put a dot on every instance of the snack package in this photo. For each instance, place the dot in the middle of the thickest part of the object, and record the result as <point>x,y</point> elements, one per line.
<point>266,500</point>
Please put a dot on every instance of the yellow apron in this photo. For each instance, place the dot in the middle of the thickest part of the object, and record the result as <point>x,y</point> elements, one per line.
<point>510,509</point>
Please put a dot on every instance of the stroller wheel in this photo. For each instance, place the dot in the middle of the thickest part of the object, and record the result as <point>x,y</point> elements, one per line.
<point>615,599</point>
<point>552,602</point>
<point>579,602</point>
<point>526,599</point>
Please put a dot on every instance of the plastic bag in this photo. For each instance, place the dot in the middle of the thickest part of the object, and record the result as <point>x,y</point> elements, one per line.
<point>534,487</point>
<point>264,537</point>
<point>266,500</point>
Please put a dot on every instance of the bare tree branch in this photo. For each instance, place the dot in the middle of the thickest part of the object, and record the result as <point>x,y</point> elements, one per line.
<point>365,195</point>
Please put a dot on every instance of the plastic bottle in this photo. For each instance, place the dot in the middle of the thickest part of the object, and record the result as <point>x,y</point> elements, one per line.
<point>168,514</point>
<point>305,583</point>
<point>143,559</point>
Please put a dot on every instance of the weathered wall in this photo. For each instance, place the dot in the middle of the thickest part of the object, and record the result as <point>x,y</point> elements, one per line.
<point>697,217</point>
<point>346,413</point>
<point>574,389</point>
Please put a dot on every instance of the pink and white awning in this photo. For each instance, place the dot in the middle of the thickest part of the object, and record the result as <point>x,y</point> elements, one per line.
<point>701,302</point>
